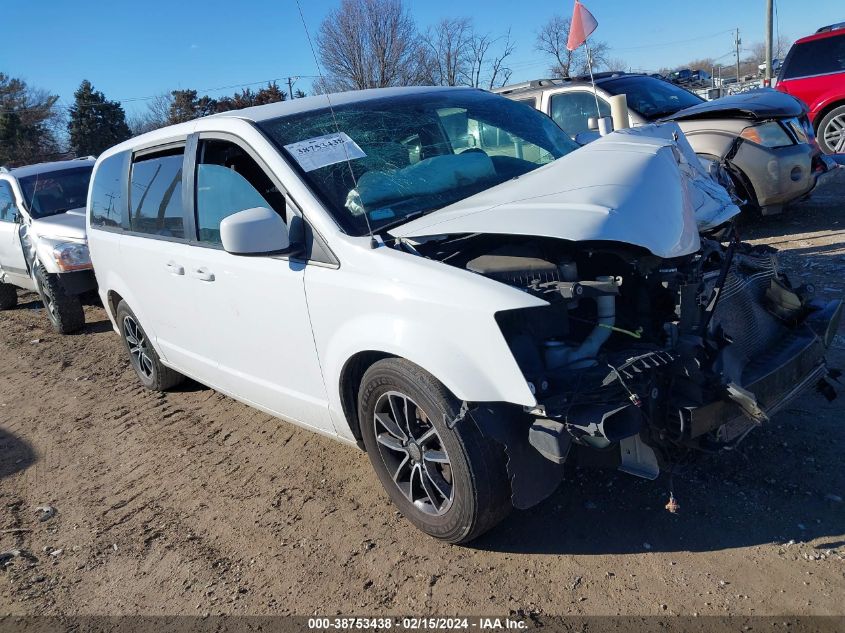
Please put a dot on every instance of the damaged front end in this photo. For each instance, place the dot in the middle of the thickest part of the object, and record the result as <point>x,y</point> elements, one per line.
<point>640,357</point>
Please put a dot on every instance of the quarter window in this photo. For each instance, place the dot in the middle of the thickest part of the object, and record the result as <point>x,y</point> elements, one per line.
<point>155,194</point>
<point>229,181</point>
<point>572,111</point>
<point>8,209</point>
<point>816,57</point>
<point>107,198</point>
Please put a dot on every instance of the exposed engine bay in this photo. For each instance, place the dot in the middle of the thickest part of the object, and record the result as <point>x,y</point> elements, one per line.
<point>655,356</point>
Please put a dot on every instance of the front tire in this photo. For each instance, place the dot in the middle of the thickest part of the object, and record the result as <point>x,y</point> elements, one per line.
<point>142,356</point>
<point>450,483</point>
<point>831,131</point>
<point>8,296</point>
<point>64,311</point>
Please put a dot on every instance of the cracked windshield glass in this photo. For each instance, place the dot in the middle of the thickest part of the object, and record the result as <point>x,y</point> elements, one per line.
<point>396,160</point>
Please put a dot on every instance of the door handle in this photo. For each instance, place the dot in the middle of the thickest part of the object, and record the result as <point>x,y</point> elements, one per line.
<point>203,274</point>
<point>174,268</point>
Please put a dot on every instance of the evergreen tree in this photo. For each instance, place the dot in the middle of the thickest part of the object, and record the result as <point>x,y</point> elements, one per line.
<point>95,123</point>
<point>27,120</point>
<point>271,94</point>
<point>186,106</point>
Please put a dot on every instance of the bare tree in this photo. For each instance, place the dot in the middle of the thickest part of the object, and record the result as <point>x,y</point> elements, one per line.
<point>488,67</point>
<point>370,44</point>
<point>500,74</point>
<point>551,40</point>
<point>156,115</point>
<point>616,64</point>
<point>450,47</point>
<point>780,46</point>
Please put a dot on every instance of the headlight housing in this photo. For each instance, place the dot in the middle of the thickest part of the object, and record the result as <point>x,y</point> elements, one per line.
<point>769,134</point>
<point>72,256</point>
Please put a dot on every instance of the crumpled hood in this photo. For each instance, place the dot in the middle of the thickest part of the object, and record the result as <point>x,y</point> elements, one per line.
<point>633,187</point>
<point>756,105</point>
<point>70,224</point>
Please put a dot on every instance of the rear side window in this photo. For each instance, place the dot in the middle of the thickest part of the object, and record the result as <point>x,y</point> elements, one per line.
<point>229,181</point>
<point>572,111</point>
<point>8,209</point>
<point>107,193</point>
<point>817,57</point>
<point>155,194</point>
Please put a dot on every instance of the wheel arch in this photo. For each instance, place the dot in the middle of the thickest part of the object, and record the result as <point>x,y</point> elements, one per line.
<point>824,111</point>
<point>351,376</point>
<point>472,375</point>
<point>113,299</point>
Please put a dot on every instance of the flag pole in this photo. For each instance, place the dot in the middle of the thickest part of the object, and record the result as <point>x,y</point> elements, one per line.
<point>592,81</point>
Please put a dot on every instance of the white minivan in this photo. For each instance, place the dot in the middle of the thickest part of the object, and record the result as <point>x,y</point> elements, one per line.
<point>443,277</point>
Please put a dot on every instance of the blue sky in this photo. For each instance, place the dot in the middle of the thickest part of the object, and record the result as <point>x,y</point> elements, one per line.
<point>132,50</point>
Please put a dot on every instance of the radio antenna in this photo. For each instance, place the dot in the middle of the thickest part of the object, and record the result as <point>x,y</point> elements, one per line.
<point>373,241</point>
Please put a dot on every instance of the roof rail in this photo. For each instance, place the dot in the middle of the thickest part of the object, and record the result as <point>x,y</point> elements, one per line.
<point>89,157</point>
<point>832,27</point>
<point>4,169</point>
<point>534,83</point>
<point>557,81</point>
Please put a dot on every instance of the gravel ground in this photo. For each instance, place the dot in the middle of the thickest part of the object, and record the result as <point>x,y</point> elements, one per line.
<point>191,503</point>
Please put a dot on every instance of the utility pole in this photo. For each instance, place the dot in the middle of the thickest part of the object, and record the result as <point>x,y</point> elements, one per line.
<point>737,42</point>
<point>290,85</point>
<point>767,81</point>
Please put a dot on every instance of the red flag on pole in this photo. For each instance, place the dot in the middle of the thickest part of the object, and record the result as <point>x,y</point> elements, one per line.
<point>582,25</point>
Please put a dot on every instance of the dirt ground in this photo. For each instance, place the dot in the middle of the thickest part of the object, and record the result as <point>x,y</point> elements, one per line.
<point>191,503</point>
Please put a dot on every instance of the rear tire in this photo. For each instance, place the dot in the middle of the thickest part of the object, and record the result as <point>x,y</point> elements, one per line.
<point>142,355</point>
<point>450,483</point>
<point>831,131</point>
<point>64,311</point>
<point>8,296</point>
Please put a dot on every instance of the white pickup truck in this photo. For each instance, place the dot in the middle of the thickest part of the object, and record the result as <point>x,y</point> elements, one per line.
<point>43,245</point>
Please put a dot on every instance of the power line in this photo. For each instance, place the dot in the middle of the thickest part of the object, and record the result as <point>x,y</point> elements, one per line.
<point>675,43</point>
<point>61,106</point>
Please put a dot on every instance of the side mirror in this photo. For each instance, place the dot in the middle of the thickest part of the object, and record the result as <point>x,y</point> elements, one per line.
<point>257,231</point>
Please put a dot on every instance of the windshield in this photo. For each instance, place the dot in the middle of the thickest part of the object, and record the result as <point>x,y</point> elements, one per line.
<point>55,192</point>
<point>651,97</point>
<point>400,157</point>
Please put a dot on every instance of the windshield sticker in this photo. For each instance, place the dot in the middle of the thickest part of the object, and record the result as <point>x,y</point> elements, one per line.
<point>382,214</point>
<point>323,151</point>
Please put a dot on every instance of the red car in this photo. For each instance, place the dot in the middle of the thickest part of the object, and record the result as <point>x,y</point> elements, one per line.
<point>814,71</point>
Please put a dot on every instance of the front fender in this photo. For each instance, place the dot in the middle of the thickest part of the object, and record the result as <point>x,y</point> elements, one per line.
<point>442,320</point>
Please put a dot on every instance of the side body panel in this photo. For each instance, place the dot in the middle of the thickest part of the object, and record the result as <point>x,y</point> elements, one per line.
<point>13,266</point>
<point>253,324</point>
<point>440,318</point>
<point>817,92</point>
